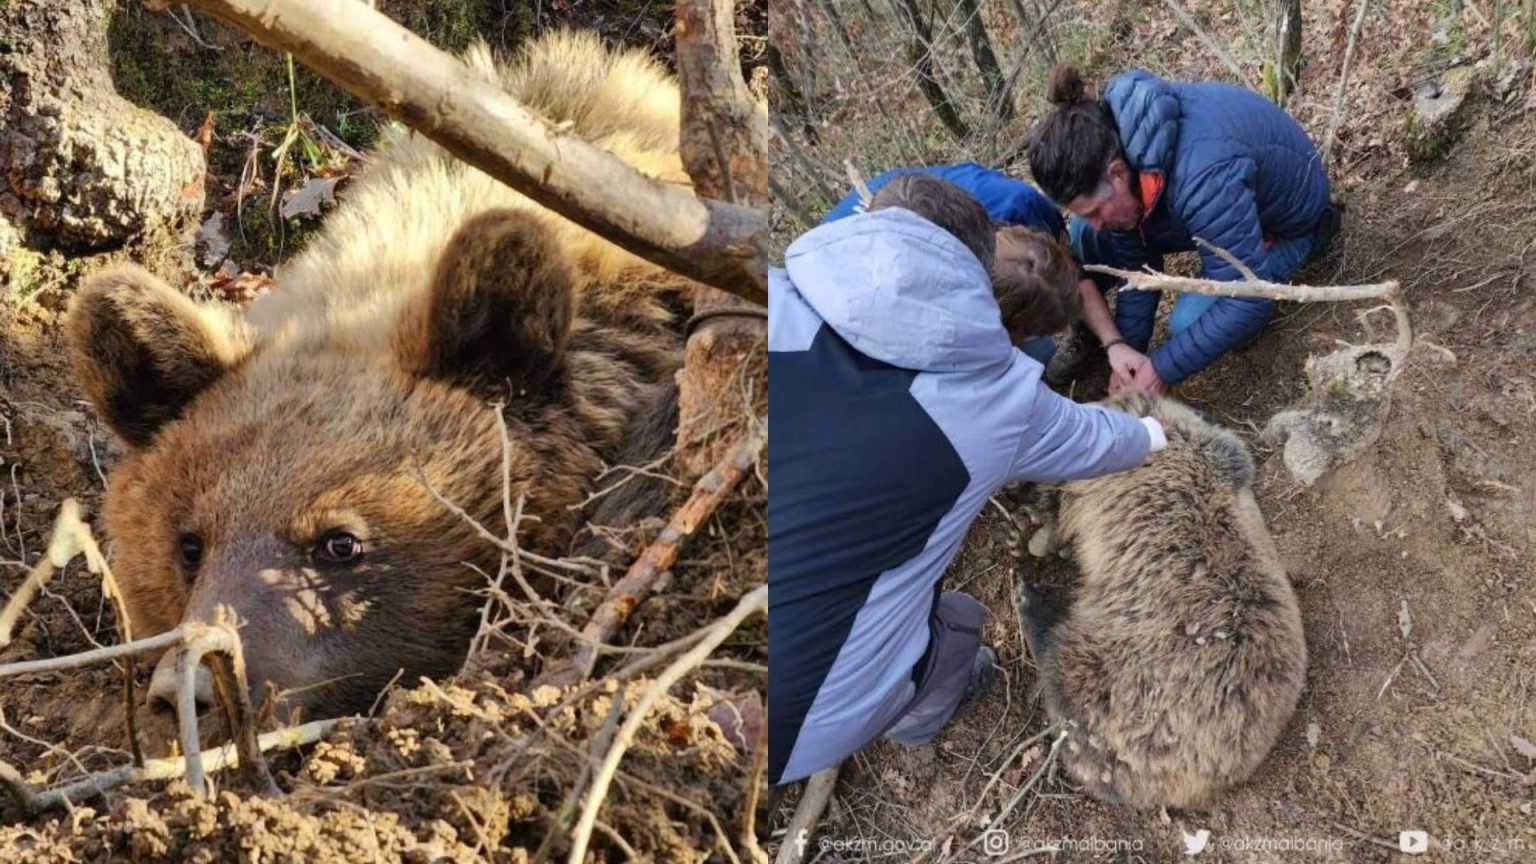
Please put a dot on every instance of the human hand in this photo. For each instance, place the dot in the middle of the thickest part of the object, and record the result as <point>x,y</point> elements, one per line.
<point>1126,362</point>
<point>1149,382</point>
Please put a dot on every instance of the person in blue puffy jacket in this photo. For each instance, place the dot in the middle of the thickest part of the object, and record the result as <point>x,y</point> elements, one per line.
<point>1153,165</point>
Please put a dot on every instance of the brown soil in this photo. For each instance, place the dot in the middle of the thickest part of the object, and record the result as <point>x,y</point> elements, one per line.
<point>1409,721</point>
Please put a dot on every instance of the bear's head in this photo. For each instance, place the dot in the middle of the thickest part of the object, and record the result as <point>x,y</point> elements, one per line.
<point>305,487</point>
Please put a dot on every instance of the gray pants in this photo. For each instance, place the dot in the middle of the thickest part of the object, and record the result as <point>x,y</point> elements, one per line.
<point>955,634</point>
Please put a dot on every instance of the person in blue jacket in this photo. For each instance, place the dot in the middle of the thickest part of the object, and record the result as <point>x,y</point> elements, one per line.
<point>1007,200</point>
<point>1155,164</point>
<point>899,405</point>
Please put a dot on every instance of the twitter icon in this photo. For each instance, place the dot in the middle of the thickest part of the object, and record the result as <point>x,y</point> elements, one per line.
<point>1194,843</point>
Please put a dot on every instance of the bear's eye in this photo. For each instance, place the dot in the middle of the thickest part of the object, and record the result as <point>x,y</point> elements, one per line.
<point>338,547</point>
<point>191,549</point>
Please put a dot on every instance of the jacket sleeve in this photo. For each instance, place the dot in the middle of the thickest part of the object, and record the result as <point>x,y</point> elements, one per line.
<point>1065,440</point>
<point>1220,209</point>
<point>1015,202</point>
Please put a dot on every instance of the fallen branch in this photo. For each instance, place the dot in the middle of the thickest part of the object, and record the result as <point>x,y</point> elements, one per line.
<point>813,801</point>
<point>1252,286</point>
<point>33,802</point>
<point>657,558</point>
<point>751,603</point>
<point>717,243</point>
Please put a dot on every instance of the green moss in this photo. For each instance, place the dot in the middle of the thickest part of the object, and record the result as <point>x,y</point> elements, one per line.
<point>21,271</point>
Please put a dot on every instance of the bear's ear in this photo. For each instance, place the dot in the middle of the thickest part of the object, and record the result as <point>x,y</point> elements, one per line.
<point>499,308</point>
<point>142,351</point>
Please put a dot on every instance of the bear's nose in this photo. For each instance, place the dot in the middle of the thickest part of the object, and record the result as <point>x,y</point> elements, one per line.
<point>162,685</point>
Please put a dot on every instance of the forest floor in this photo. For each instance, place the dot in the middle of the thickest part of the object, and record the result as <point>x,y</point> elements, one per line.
<point>1415,565</point>
<point>478,768</point>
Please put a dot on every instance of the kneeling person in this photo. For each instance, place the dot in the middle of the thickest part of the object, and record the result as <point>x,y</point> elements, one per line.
<point>899,406</point>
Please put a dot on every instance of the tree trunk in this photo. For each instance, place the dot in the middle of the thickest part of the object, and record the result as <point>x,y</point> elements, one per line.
<point>921,56</point>
<point>986,61</point>
<point>725,151</point>
<point>1282,73</point>
<point>80,167</point>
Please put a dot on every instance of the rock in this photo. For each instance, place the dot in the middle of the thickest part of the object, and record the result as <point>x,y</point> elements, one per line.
<point>1436,118</point>
<point>1341,415</point>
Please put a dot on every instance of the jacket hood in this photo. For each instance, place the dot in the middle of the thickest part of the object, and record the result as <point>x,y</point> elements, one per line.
<point>901,290</point>
<point>1147,113</point>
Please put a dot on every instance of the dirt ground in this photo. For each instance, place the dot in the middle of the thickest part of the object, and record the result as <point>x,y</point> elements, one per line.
<point>479,768</point>
<point>1414,566</point>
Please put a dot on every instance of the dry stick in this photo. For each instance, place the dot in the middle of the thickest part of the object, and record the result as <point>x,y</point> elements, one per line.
<point>751,603</point>
<point>97,563</point>
<point>818,792</point>
<point>754,791</point>
<point>62,546</point>
<point>86,658</point>
<point>86,788</point>
<point>659,556</point>
<point>857,180</point>
<point>1205,39</point>
<point>718,243</point>
<point>1338,95</point>
<point>221,639</point>
<point>1253,286</point>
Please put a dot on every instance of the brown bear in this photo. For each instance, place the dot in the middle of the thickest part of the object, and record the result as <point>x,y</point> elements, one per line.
<point>277,453</point>
<point>1180,657</point>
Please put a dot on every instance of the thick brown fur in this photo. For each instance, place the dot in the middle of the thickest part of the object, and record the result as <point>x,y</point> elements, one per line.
<point>432,293</point>
<point>1181,657</point>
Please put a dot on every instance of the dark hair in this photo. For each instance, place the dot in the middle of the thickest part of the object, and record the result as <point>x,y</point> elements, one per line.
<point>1035,282</point>
<point>945,205</point>
<point>1075,141</point>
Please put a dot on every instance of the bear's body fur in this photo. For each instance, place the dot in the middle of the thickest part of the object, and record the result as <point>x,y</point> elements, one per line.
<point>1181,656</point>
<point>259,437</point>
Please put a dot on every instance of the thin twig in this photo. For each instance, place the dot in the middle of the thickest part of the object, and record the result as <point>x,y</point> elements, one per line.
<point>209,761</point>
<point>62,546</point>
<point>857,179</point>
<point>86,658</point>
<point>1338,95</point>
<point>753,602</point>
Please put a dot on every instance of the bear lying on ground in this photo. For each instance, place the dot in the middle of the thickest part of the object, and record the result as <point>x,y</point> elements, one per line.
<point>277,455</point>
<point>1181,656</point>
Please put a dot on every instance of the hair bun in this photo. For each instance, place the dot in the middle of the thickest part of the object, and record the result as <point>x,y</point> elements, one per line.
<point>1066,85</point>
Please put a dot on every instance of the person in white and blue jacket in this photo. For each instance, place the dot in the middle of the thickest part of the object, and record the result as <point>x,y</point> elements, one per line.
<point>899,406</point>
<point>1152,166</point>
<point>1007,200</point>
